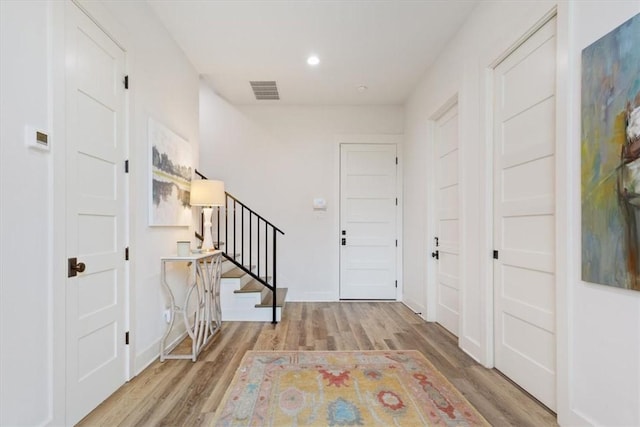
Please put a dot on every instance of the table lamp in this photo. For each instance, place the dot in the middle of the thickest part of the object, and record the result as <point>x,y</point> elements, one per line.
<point>207,193</point>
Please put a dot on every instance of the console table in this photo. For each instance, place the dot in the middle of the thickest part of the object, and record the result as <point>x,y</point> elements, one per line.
<point>200,310</point>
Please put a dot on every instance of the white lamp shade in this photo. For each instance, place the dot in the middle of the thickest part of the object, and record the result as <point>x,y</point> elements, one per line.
<point>207,192</point>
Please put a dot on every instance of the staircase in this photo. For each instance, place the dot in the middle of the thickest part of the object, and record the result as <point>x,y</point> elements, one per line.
<point>243,298</point>
<point>248,289</point>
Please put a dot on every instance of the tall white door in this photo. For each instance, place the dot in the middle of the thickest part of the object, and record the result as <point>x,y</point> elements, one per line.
<point>95,304</point>
<point>524,212</point>
<point>447,238</point>
<point>368,205</point>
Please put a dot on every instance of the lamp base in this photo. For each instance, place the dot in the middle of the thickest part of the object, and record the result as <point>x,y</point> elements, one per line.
<point>207,243</point>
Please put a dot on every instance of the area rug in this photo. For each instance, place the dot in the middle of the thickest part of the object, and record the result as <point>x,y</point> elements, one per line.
<point>342,388</point>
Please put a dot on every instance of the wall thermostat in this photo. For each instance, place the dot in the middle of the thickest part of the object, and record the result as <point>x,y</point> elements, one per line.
<point>37,139</point>
<point>319,204</point>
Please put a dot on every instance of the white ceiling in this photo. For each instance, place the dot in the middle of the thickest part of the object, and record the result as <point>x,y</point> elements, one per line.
<point>384,45</point>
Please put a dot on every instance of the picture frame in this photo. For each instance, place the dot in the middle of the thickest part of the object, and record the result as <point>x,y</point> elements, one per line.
<point>170,173</point>
<point>610,153</point>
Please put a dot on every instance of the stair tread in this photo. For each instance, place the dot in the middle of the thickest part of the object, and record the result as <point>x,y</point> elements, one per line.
<point>268,298</point>
<point>252,286</point>
<point>234,273</point>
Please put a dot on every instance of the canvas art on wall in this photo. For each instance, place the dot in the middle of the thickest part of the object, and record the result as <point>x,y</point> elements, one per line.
<point>611,158</point>
<point>171,171</point>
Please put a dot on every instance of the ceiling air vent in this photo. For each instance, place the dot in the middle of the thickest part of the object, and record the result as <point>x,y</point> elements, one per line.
<point>265,90</point>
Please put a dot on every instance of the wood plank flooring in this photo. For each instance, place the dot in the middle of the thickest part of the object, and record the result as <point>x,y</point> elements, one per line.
<point>183,393</point>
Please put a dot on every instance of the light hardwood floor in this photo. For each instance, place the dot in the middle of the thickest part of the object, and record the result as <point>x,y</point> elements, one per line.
<point>183,393</point>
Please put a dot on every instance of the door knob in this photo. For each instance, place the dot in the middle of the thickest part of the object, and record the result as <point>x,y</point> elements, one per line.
<point>344,242</point>
<point>75,267</point>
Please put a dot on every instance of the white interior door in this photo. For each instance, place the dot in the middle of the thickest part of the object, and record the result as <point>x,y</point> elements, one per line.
<point>368,205</point>
<point>95,304</point>
<point>447,239</point>
<point>524,212</point>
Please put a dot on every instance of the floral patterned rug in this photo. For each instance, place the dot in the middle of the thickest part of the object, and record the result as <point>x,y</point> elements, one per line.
<point>342,388</point>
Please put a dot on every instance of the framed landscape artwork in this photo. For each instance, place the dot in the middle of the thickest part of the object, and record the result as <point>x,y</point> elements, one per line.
<point>610,150</point>
<point>171,171</point>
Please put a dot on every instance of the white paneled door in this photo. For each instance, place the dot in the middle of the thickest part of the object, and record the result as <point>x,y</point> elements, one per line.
<point>95,296</point>
<point>368,206</point>
<point>524,215</point>
<point>447,239</point>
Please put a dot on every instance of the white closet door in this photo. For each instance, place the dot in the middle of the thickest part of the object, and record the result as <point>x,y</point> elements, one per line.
<point>95,300</point>
<point>524,215</point>
<point>448,218</point>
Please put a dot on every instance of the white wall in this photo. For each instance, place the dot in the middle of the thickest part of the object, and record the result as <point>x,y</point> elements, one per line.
<point>164,86</point>
<point>25,224</point>
<point>598,327</point>
<point>276,159</point>
<point>605,322</point>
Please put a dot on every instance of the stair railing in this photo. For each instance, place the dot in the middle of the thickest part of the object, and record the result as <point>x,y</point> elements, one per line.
<point>253,235</point>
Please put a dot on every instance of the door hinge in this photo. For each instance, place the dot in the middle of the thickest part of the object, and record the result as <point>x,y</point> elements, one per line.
<point>396,201</point>
<point>396,160</point>
<point>126,82</point>
<point>126,338</point>
<point>396,243</point>
<point>126,166</point>
<point>396,283</point>
<point>126,253</point>
<point>495,254</point>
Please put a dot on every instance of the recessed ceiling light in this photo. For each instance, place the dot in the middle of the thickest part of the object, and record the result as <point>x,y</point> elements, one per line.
<point>362,88</point>
<point>313,60</point>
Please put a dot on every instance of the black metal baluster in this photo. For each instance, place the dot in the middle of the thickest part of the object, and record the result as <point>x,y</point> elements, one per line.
<point>258,245</point>
<point>242,235</point>
<point>202,225</point>
<point>274,283</point>
<point>266,251</point>
<point>226,224</point>
<point>234,228</point>
<point>250,238</point>
<point>218,224</point>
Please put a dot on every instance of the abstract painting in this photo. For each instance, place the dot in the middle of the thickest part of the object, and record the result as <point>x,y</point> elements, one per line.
<point>171,171</point>
<point>610,150</point>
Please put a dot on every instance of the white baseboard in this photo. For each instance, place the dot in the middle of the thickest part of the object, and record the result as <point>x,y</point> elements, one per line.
<point>577,418</point>
<point>293,296</point>
<point>416,308</point>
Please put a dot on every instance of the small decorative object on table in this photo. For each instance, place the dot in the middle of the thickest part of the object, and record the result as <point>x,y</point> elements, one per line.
<point>184,248</point>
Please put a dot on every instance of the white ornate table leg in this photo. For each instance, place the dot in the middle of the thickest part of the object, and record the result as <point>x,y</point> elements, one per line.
<point>194,330</point>
<point>215,293</point>
<point>163,340</point>
<point>206,265</point>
